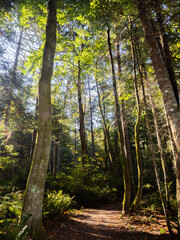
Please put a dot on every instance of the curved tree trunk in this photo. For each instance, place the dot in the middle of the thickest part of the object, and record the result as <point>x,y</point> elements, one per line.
<point>138,196</point>
<point>126,173</point>
<point>124,124</point>
<point>34,194</point>
<point>169,100</point>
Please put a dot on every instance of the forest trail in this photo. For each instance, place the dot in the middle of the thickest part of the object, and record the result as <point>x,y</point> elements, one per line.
<point>108,223</point>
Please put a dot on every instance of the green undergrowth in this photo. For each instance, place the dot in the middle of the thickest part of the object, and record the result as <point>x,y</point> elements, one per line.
<point>86,189</point>
<point>11,206</point>
<point>10,211</point>
<point>57,203</point>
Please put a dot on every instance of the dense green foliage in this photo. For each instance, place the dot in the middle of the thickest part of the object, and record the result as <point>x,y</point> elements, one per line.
<point>82,39</point>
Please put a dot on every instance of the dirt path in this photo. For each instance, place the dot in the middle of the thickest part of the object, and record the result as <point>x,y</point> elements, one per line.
<point>108,223</point>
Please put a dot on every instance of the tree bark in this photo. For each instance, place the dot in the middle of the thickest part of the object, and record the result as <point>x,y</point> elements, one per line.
<point>34,193</point>
<point>55,153</point>
<point>91,120</point>
<point>163,161</point>
<point>138,196</point>
<point>166,53</point>
<point>34,134</point>
<point>126,173</point>
<point>149,133</point>
<point>108,147</point>
<point>124,124</point>
<point>169,100</point>
<point>81,120</point>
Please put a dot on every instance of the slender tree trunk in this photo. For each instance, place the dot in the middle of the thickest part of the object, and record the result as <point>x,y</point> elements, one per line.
<point>106,132</point>
<point>124,125</point>
<point>14,71</point>
<point>55,154</point>
<point>170,103</point>
<point>75,143</point>
<point>163,161</point>
<point>106,153</point>
<point>173,149</point>
<point>91,119</point>
<point>116,152</point>
<point>81,120</point>
<point>34,134</point>
<point>126,172</point>
<point>34,193</point>
<point>136,131</point>
<point>149,132</point>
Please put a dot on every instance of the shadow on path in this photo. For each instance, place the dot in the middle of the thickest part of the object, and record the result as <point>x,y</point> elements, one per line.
<point>108,224</point>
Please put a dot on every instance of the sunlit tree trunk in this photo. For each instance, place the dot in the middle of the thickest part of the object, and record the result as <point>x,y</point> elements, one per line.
<point>81,120</point>
<point>124,123</point>
<point>34,193</point>
<point>34,133</point>
<point>126,172</point>
<point>151,150</point>
<point>163,161</point>
<point>91,120</point>
<point>165,48</point>
<point>136,132</point>
<point>169,100</point>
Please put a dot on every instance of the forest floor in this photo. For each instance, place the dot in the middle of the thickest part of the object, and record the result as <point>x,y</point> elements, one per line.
<point>107,222</point>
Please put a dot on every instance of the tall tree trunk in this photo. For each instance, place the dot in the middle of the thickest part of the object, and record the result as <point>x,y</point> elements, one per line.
<point>106,153</point>
<point>173,149</point>
<point>14,71</point>
<point>126,172</point>
<point>75,143</point>
<point>34,193</point>
<point>34,134</point>
<point>162,156</point>
<point>91,120</point>
<point>106,132</point>
<point>81,120</point>
<point>149,133</point>
<point>165,48</point>
<point>136,132</point>
<point>116,152</point>
<point>124,124</point>
<point>170,103</point>
<point>55,153</point>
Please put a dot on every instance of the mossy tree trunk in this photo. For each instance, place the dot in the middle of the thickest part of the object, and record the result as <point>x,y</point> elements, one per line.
<point>170,104</point>
<point>138,196</point>
<point>34,193</point>
<point>127,149</point>
<point>126,172</point>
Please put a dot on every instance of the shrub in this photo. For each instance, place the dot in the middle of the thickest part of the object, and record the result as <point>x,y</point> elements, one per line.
<point>10,211</point>
<point>57,202</point>
<point>11,205</point>
<point>98,187</point>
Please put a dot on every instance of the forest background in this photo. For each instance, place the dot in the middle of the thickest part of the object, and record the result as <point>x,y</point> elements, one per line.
<point>104,123</point>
